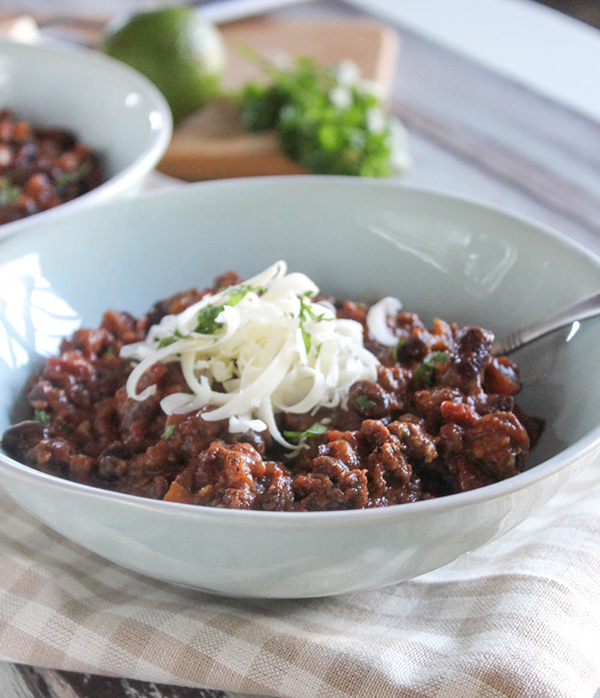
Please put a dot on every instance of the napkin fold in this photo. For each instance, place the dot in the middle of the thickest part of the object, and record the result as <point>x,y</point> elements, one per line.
<point>519,618</point>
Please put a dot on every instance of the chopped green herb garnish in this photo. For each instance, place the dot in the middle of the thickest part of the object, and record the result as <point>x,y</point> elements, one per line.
<point>304,306</point>
<point>236,297</point>
<point>18,175</point>
<point>364,403</point>
<point>302,318</point>
<point>207,319</point>
<point>401,344</point>
<point>237,294</point>
<point>438,357</point>
<point>314,430</point>
<point>41,416</point>
<point>67,178</point>
<point>427,368</point>
<point>167,341</point>
<point>260,106</point>
<point>306,313</point>
<point>328,123</point>
<point>168,432</point>
<point>8,192</point>
<point>305,338</point>
<point>109,351</point>
<point>424,373</point>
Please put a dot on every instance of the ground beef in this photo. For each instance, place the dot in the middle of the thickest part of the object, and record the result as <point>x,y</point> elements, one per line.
<point>41,168</point>
<point>439,419</point>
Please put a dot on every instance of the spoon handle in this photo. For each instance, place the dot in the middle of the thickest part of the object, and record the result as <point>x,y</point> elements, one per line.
<point>583,309</point>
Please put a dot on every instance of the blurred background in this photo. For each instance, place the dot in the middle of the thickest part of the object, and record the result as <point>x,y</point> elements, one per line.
<point>585,10</point>
<point>489,81</point>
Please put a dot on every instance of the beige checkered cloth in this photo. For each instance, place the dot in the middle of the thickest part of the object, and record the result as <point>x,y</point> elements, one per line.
<point>520,618</point>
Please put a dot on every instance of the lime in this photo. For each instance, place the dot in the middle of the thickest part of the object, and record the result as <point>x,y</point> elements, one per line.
<point>178,50</point>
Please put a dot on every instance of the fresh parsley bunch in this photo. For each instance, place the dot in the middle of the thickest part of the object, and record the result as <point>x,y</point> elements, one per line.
<point>328,119</point>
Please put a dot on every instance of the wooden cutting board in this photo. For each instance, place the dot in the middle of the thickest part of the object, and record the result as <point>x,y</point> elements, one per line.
<point>213,143</point>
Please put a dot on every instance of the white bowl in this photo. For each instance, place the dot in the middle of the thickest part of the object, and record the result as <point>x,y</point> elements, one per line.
<point>363,239</point>
<point>108,106</point>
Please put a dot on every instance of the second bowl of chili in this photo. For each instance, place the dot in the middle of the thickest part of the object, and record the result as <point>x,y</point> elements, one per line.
<point>76,128</point>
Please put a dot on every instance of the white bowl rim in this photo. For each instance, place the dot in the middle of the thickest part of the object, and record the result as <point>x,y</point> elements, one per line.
<point>145,162</point>
<point>580,449</point>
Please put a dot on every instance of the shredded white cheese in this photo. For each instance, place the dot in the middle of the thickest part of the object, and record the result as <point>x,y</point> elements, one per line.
<point>377,320</point>
<point>255,349</point>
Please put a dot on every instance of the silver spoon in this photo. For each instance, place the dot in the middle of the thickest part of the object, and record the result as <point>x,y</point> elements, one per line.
<point>581,310</point>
